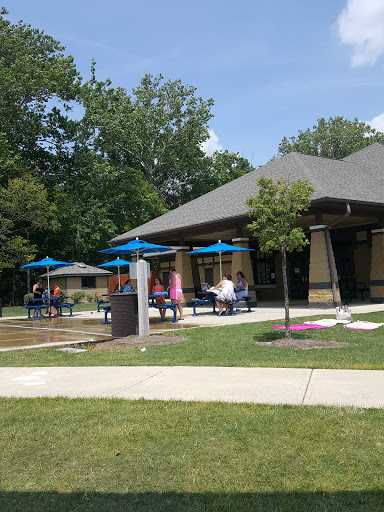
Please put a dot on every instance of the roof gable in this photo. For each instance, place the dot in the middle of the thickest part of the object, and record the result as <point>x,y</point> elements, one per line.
<point>349,179</point>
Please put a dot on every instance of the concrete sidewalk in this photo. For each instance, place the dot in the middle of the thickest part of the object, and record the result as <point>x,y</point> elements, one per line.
<point>297,386</point>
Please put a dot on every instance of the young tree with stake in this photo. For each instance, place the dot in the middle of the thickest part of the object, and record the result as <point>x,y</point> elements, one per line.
<point>275,210</point>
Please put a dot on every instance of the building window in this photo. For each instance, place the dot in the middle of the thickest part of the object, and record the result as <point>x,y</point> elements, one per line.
<point>208,276</point>
<point>88,282</point>
<point>265,268</point>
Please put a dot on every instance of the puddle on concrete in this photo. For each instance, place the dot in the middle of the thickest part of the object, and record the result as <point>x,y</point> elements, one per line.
<point>24,332</point>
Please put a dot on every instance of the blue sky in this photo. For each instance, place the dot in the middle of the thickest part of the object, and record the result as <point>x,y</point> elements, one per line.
<point>273,68</point>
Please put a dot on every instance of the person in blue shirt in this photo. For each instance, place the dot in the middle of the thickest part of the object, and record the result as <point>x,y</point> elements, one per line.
<point>127,286</point>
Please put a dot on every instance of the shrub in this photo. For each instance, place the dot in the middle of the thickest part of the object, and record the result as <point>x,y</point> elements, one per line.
<point>77,297</point>
<point>27,298</point>
<point>90,298</point>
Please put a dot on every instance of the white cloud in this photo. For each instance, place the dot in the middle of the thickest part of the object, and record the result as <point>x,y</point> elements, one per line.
<point>361,24</point>
<point>377,123</point>
<point>212,144</point>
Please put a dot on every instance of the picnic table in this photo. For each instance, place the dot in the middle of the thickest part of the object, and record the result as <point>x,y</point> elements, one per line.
<point>47,302</point>
<point>103,301</point>
<point>153,304</point>
<point>208,297</point>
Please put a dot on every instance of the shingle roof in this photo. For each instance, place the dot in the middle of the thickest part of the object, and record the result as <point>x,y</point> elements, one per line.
<point>358,177</point>
<point>78,269</point>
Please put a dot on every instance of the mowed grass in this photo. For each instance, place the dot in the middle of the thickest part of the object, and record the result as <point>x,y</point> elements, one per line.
<point>230,346</point>
<point>20,311</point>
<point>107,455</point>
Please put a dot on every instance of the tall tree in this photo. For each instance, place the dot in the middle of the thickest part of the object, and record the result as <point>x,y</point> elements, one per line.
<point>34,73</point>
<point>275,210</point>
<point>24,209</point>
<point>335,138</point>
<point>159,130</point>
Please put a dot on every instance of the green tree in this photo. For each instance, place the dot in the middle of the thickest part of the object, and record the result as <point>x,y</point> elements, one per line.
<point>275,209</point>
<point>335,138</point>
<point>225,167</point>
<point>34,74</point>
<point>159,130</point>
<point>24,208</point>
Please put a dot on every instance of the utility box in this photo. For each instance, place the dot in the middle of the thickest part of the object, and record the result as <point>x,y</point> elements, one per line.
<point>124,314</point>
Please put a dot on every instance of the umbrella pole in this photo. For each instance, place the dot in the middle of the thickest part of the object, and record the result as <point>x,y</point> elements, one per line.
<point>118,273</point>
<point>49,293</point>
<point>221,275</point>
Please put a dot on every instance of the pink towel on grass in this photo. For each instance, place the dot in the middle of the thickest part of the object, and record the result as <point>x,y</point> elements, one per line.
<point>300,327</point>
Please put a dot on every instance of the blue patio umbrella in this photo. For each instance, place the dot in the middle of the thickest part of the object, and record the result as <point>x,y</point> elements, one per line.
<point>47,263</point>
<point>219,248</point>
<point>137,247</point>
<point>115,263</point>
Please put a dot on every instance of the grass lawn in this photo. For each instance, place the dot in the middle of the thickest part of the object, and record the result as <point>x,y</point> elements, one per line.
<point>60,454</point>
<point>20,311</point>
<point>230,346</point>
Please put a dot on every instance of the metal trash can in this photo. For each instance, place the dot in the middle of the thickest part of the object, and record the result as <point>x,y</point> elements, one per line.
<point>124,314</point>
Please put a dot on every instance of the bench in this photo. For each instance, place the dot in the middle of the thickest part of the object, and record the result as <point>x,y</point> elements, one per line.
<point>107,309</point>
<point>213,300</point>
<point>167,306</point>
<point>35,308</point>
<point>64,305</point>
<point>200,302</point>
<point>247,300</point>
<point>101,301</point>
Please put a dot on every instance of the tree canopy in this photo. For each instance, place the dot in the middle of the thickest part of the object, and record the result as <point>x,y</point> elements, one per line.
<point>126,160</point>
<point>335,138</point>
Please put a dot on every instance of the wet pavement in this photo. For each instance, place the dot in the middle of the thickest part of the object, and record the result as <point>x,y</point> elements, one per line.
<point>21,332</point>
<point>88,326</point>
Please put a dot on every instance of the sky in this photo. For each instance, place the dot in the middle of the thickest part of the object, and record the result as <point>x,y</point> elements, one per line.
<point>273,68</point>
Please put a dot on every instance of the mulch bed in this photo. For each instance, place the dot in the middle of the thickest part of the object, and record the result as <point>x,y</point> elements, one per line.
<point>136,342</point>
<point>303,344</point>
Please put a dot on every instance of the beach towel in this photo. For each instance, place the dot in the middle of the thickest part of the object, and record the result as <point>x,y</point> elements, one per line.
<point>300,327</point>
<point>362,325</point>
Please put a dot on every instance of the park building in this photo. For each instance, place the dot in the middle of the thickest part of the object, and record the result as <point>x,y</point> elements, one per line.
<point>344,260</point>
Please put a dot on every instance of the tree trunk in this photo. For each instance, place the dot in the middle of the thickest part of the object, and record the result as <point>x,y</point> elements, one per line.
<point>283,251</point>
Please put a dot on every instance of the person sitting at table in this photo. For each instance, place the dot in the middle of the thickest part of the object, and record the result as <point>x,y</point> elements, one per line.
<point>127,286</point>
<point>160,301</point>
<point>241,285</point>
<point>225,295</point>
<point>118,289</point>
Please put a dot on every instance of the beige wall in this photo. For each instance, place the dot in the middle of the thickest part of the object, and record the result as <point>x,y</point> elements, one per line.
<point>74,285</point>
<point>362,258</point>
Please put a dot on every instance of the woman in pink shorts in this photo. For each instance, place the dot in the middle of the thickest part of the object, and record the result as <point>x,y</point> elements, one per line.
<point>174,290</point>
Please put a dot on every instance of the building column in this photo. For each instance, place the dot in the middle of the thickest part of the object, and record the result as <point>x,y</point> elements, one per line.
<point>242,261</point>
<point>320,286</point>
<point>183,266</point>
<point>377,266</point>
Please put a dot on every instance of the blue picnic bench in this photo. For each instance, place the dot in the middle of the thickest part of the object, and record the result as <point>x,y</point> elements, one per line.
<point>212,299</point>
<point>172,307</point>
<point>99,302</point>
<point>152,304</point>
<point>52,301</point>
<point>107,309</point>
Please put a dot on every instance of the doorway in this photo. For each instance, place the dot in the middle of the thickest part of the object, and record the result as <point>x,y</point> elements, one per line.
<point>298,267</point>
